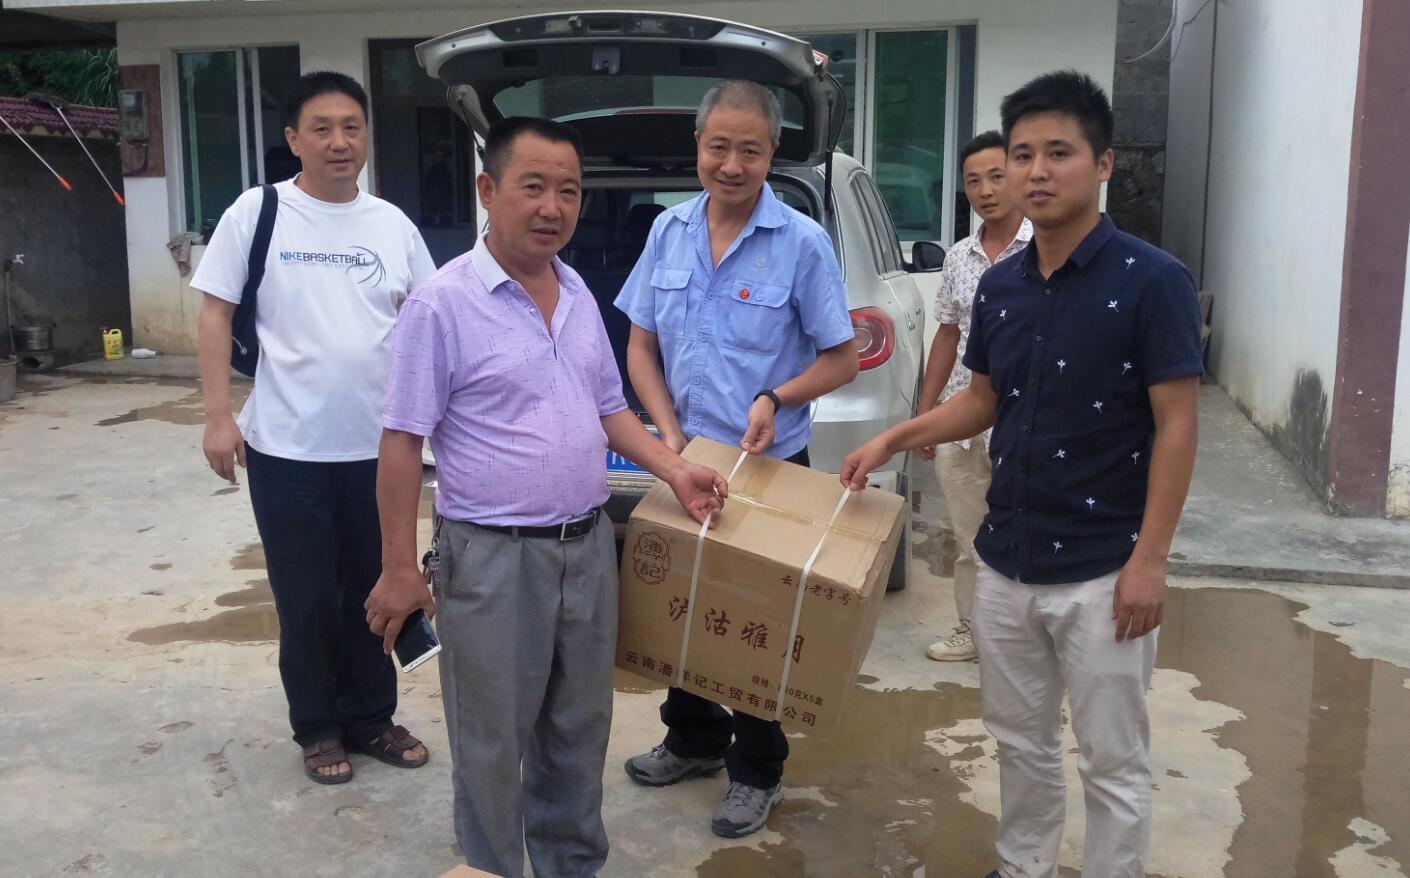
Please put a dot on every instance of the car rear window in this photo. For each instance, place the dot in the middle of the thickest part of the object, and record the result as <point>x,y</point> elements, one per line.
<point>568,98</point>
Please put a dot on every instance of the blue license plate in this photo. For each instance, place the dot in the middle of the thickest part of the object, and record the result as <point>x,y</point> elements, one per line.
<point>616,463</point>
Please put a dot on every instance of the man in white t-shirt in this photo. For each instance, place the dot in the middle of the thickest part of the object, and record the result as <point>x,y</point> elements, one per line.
<point>340,264</point>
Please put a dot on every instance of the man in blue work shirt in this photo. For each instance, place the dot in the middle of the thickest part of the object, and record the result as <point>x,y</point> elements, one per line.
<point>1085,354</point>
<point>742,300</point>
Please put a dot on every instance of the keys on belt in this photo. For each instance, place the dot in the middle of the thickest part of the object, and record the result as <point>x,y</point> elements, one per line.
<point>573,529</point>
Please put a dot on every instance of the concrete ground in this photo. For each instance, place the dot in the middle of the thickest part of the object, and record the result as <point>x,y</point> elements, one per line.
<point>142,726</point>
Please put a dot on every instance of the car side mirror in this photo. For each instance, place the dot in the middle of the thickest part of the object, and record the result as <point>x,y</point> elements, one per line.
<point>927,256</point>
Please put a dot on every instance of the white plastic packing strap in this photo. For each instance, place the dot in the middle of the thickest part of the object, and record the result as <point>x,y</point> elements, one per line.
<point>798,603</point>
<point>695,579</point>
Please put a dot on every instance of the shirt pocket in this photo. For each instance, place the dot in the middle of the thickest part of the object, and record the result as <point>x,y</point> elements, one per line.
<point>753,316</point>
<point>672,289</point>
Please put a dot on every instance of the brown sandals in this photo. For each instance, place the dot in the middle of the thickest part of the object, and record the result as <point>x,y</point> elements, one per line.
<point>389,746</point>
<point>321,754</point>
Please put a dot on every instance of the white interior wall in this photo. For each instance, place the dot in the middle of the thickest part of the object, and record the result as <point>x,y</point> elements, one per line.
<point>1285,87</point>
<point>1016,40</point>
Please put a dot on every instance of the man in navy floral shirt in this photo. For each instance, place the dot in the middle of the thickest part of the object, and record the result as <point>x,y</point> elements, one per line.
<point>1085,353</point>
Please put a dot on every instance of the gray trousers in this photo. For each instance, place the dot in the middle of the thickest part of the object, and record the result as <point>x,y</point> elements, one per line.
<point>528,629</point>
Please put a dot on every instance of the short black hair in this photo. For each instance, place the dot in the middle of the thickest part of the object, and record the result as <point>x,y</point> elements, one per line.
<point>503,133</point>
<point>1069,92</point>
<point>988,140</point>
<point>316,83</point>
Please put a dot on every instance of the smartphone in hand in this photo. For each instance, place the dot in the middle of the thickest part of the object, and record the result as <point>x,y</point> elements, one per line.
<point>417,642</point>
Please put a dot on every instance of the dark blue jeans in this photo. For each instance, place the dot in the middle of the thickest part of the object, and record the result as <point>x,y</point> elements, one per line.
<point>701,729</point>
<point>323,550</point>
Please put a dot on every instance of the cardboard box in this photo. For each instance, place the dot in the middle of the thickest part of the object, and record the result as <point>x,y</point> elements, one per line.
<point>750,570</point>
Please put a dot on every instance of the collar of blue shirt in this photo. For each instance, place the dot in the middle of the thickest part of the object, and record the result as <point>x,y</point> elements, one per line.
<point>768,212</point>
<point>1091,245</point>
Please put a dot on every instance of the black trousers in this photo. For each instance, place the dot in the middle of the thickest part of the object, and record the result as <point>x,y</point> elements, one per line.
<point>701,729</point>
<point>323,550</point>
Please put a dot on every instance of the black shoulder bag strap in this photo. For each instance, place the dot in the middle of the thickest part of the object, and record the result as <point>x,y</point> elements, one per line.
<point>244,344</point>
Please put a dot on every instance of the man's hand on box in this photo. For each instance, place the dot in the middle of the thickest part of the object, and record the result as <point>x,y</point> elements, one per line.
<point>760,433</point>
<point>859,464</point>
<point>399,591</point>
<point>700,490</point>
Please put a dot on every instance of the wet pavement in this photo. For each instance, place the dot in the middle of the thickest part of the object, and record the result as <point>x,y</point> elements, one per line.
<point>142,730</point>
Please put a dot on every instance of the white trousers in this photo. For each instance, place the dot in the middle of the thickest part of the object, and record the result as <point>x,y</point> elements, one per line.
<point>1034,642</point>
<point>964,474</point>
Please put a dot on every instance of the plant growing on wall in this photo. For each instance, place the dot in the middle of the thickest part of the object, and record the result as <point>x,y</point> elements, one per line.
<point>80,76</point>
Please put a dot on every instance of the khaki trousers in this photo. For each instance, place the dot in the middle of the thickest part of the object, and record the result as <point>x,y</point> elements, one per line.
<point>964,475</point>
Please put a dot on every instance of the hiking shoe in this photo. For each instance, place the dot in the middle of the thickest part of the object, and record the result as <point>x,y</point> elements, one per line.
<point>959,647</point>
<point>744,809</point>
<point>661,767</point>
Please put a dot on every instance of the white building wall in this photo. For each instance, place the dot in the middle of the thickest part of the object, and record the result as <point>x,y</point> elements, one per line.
<point>1398,493</point>
<point>1279,162</point>
<point>1016,40</point>
<point>1187,136</point>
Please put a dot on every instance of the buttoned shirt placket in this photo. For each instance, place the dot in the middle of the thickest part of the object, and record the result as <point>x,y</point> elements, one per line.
<point>1030,388</point>
<point>560,312</point>
<point>704,327</point>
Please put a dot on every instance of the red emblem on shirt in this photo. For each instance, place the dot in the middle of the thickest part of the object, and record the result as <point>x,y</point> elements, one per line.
<point>743,294</point>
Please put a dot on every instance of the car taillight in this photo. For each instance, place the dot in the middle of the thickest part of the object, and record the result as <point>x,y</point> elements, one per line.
<point>876,336</point>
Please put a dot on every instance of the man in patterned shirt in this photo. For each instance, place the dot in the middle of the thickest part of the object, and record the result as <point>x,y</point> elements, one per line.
<point>963,467</point>
<point>1085,354</point>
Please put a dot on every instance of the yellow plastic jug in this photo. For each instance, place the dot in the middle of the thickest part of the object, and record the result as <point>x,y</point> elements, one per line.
<point>112,344</point>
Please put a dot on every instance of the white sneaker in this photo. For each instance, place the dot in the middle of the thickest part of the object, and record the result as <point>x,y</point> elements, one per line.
<point>958,648</point>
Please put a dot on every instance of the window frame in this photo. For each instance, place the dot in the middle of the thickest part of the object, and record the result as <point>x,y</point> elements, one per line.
<point>863,135</point>
<point>948,148</point>
<point>250,133</point>
<point>879,223</point>
<point>859,194</point>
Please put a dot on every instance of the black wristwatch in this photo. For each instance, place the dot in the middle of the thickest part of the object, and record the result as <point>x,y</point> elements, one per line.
<point>778,403</point>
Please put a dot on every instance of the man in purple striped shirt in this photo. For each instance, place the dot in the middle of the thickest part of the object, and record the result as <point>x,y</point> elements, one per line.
<point>501,358</point>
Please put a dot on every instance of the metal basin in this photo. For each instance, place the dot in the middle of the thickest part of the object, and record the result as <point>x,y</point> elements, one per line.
<point>34,338</point>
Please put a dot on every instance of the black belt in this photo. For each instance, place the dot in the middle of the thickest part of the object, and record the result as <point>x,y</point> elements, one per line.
<point>574,529</point>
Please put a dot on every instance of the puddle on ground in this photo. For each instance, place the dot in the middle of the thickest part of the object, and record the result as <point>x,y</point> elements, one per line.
<point>934,543</point>
<point>242,625</point>
<point>1323,735</point>
<point>252,618</point>
<point>251,557</point>
<point>185,411</point>
<point>875,795</point>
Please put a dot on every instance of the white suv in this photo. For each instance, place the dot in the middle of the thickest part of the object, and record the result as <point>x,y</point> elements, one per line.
<point>629,82</point>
